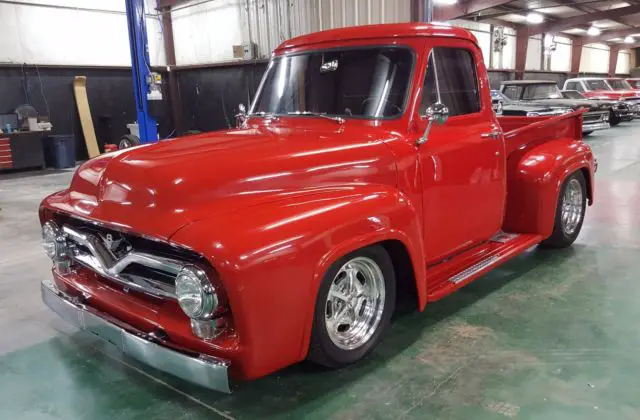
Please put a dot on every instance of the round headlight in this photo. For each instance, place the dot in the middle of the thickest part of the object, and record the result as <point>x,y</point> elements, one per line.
<point>196,295</point>
<point>50,234</point>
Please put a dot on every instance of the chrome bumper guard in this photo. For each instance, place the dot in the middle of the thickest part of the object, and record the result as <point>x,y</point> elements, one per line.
<point>206,371</point>
<point>599,125</point>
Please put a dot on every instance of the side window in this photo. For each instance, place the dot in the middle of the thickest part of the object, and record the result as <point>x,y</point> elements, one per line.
<point>512,92</point>
<point>572,86</point>
<point>579,87</point>
<point>451,76</point>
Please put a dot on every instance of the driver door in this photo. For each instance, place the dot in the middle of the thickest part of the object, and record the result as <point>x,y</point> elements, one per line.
<point>462,162</point>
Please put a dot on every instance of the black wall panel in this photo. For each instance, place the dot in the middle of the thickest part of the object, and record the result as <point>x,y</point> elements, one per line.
<point>210,96</point>
<point>50,91</point>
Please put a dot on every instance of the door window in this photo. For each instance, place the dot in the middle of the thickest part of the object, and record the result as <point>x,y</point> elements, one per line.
<point>451,77</point>
<point>572,86</point>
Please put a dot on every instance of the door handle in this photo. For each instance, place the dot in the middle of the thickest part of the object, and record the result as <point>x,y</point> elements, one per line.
<point>491,135</point>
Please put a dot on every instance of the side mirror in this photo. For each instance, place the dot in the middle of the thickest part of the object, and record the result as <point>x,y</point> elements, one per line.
<point>241,116</point>
<point>437,113</point>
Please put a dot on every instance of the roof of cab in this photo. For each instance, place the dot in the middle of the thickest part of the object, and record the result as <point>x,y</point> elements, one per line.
<point>388,30</point>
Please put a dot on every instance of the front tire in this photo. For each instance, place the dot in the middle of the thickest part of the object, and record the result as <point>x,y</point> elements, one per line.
<point>354,306</point>
<point>570,210</point>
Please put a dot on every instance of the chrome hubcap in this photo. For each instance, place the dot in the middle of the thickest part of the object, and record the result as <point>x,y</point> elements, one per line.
<point>572,207</point>
<point>355,303</point>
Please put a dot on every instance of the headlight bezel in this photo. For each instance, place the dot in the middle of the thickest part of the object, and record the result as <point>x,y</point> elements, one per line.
<point>190,279</point>
<point>52,241</point>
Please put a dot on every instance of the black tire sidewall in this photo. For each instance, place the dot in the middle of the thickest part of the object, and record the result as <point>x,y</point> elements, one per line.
<point>613,118</point>
<point>331,355</point>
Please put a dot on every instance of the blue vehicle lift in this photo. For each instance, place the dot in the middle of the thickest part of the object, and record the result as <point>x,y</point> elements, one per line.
<point>143,77</point>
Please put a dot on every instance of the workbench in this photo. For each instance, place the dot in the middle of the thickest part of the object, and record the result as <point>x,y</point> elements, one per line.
<point>21,150</point>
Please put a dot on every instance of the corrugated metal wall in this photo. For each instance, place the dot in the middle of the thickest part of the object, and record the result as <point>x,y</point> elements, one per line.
<point>273,21</point>
<point>267,23</point>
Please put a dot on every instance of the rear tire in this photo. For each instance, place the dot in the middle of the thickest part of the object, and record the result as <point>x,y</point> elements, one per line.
<point>570,210</point>
<point>354,306</point>
<point>128,140</point>
<point>613,118</point>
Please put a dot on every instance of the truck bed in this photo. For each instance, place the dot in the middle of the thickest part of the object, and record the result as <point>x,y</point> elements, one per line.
<point>521,131</point>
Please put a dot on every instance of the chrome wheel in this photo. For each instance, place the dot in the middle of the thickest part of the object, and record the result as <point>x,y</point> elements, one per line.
<point>572,207</point>
<point>355,303</point>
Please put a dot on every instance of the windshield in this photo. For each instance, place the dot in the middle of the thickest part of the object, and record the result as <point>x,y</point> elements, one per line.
<point>619,84</point>
<point>546,91</point>
<point>572,94</point>
<point>597,85</point>
<point>366,83</point>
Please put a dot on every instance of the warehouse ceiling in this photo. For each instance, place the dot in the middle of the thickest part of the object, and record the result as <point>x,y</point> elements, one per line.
<point>612,22</point>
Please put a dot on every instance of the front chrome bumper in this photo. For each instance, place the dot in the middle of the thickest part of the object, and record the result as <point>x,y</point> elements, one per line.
<point>598,125</point>
<point>204,370</point>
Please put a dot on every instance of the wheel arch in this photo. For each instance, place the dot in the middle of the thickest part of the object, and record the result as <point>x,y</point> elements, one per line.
<point>402,246</point>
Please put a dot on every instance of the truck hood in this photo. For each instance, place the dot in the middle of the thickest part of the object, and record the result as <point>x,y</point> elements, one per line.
<point>156,189</point>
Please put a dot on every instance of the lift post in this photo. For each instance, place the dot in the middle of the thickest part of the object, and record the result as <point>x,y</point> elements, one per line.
<point>143,78</point>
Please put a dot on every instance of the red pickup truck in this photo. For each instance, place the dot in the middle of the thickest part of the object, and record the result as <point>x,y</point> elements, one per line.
<point>370,159</point>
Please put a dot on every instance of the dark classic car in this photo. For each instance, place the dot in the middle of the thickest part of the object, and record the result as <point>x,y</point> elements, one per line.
<point>505,106</point>
<point>546,92</point>
<point>618,110</point>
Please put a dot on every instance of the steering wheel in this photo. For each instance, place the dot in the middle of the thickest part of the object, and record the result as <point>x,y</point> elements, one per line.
<point>386,101</point>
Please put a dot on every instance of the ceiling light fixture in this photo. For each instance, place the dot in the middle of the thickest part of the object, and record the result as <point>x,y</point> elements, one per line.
<point>594,31</point>
<point>535,18</point>
<point>629,40</point>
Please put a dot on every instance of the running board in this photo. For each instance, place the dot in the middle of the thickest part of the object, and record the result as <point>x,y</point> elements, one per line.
<point>460,270</point>
<point>476,268</point>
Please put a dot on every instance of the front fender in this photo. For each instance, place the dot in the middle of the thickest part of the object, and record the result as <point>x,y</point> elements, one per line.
<point>271,259</point>
<point>535,176</point>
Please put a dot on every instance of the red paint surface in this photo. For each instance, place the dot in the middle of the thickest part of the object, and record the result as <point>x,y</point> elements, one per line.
<point>271,206</point>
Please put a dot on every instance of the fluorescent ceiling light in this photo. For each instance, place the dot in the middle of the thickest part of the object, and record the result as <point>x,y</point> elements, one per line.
<point>629,40</point>
<point>593,31</point>
<point>535,18</point>
<point>445,2</point>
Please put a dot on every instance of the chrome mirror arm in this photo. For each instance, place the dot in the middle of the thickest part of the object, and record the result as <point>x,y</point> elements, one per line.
<point>438,113</point>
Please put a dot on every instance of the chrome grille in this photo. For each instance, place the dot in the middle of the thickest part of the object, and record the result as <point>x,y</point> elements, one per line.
<point>133,269</point>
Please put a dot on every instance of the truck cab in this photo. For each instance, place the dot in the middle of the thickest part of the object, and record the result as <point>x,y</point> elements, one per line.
<point>370,158</point>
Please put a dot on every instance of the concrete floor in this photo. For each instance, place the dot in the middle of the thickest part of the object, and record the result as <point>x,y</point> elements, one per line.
<point>551,335</point>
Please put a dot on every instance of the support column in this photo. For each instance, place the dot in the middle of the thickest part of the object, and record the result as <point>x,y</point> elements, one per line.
<point>428,11</point>
<point>170,54</point>
<point>140,67</point>
<point>522,43</point>
<point>613,59</point>
<point>576,54</point>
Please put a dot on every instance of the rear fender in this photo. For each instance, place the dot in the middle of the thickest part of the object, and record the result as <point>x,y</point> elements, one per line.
<point>535,176</point>
<point>271,259</point>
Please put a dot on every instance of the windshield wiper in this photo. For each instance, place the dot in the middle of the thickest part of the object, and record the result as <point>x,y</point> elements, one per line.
<point>339,120</point>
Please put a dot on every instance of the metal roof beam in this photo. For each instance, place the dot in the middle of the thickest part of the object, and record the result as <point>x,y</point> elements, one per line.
<point>609,35</point>
<point>568,23</point>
